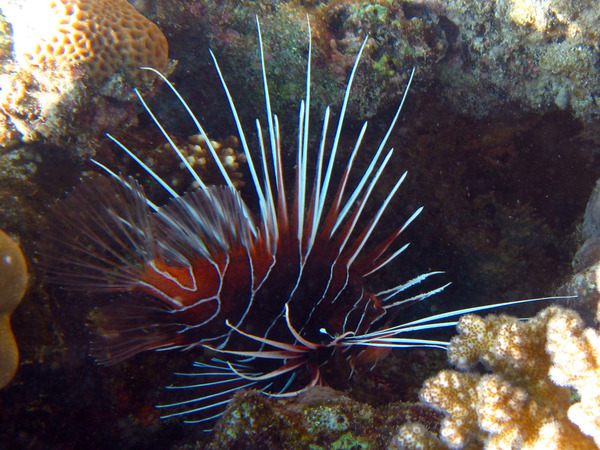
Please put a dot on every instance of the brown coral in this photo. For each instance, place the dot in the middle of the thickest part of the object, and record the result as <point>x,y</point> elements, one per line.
<point>106,36</point>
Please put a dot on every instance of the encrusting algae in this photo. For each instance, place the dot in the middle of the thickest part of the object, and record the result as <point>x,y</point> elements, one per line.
<point>13,282</point>
<point>526,400</point>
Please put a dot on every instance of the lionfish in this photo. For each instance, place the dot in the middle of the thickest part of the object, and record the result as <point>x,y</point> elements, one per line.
<point>274,294</point>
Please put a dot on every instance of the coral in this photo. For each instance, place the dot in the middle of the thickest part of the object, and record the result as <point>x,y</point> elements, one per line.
<point>480,231</point>
<point>69,67</point>
<point>453,392</point>
<point>198,156</point>
<point>13,281</point>
<point>319,418</point>
<point>158,154</point>
<point>104,36</point>
<point>525,402</point>
<point>575,353</point>
<point>416,436</point>
<point>536,53</point>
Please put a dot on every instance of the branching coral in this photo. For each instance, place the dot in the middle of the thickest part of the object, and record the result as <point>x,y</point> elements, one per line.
<point>575,352</point>
<point>13,281</point>
<point>525,402</point>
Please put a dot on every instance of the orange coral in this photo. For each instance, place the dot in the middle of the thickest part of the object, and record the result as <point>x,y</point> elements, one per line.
<point>105,36</point>
<point>13,281</point>
<point>72,67</point>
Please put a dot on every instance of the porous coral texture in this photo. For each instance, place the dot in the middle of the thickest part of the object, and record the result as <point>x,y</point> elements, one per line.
<point>198,156</point>
<point>105,36</point>
<point>452,392</point>
<point>575,353</point>
<point>525,402</point>
<point>415,435</point>
<point>72,68</point>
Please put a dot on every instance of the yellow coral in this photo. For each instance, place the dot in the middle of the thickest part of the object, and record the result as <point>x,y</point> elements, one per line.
<point>525,402</point>
<point>105,36</point>
<point>575,353</point>
<point>13,281</point>
<point>197,154</point>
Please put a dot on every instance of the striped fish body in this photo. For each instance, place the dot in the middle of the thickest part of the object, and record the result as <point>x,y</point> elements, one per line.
<point>277,293</point>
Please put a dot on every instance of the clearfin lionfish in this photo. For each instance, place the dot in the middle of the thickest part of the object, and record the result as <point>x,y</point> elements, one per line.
<point>275,293</point>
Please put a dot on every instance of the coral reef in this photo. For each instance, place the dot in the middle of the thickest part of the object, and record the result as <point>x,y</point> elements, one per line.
<point>525,402</point>
<point>402,36</point>
<point>72,67</point>
<point>13,282</point>
<point>540,55</point>
<point>498,230</point>
<point>481,56</point>
<point>319,418</point>
<point>585,282</point>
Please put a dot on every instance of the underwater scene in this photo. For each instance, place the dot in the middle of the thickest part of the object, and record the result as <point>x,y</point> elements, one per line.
<point>336,224</point>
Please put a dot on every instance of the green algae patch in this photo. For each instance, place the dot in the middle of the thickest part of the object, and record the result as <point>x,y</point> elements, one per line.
<point>349,440</point>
